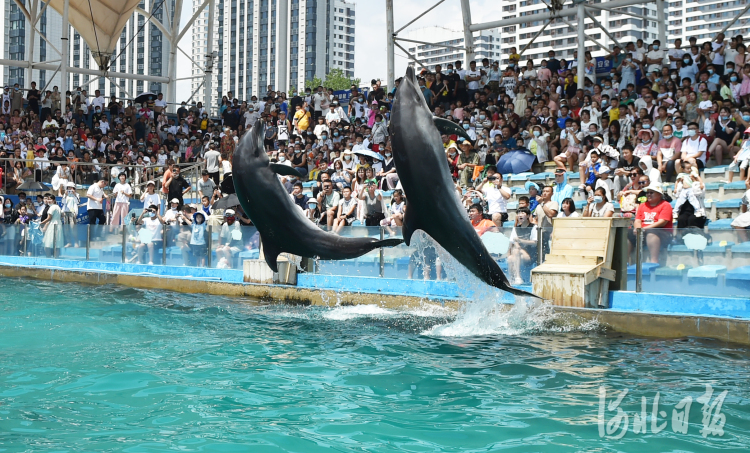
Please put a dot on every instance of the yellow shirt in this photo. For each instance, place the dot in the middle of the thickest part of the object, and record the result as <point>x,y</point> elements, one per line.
<point>614,114</point>
<point>303,119</point>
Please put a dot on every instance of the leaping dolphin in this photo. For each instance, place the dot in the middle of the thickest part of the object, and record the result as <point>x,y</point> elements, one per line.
<point>281,224</point>
<point>432,205</point>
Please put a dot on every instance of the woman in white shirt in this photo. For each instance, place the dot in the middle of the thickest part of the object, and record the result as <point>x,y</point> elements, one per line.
<point>599,205</point>
<point>150,197</point>
<point>122,202</point>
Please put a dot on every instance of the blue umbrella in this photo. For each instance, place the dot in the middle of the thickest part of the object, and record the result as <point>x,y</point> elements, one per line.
<point>514,162</point>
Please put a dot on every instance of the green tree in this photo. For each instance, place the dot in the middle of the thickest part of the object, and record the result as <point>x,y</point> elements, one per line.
<point>336,80</point>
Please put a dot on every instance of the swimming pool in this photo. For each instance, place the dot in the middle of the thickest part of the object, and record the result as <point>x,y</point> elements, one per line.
<point>86,368</point>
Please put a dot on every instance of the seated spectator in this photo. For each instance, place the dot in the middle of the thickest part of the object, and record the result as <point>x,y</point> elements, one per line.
<point>347,210</point>
<point>567,209</point>
<point>523,245</point>
<point>373,212</point>
<point>741,160</point>
<point>496,195</point>
<point>230,241</point>
<point>396,211</point>
<point>655,218</point>
<point>689,188</point>
<point>599,204</point>
<point>480,224</point>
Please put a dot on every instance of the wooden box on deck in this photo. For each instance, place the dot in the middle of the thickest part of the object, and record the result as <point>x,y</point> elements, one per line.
<point>588,257</point>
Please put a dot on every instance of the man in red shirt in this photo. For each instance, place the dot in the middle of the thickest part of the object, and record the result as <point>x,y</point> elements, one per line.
<point>655,217</point>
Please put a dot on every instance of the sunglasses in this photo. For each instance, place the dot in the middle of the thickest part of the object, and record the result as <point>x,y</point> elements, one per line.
<point>634,175</point>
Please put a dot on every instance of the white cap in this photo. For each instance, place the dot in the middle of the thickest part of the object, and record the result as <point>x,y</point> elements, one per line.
<point>150,183</point>
<point>603,169</point>
<point>71,184</point>
<point>175,200</point>
<point>229,213</point>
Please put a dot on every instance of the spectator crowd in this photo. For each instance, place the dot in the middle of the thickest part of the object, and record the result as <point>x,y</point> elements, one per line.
<point>661,115</point>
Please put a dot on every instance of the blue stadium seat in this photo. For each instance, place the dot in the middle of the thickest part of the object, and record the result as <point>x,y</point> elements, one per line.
<point>580,204</point>
<point>308,184</point>
<point>731,203</point>
<point>508,224</point>
<point>541,176</point>
<point>512,205</point>
<point>735,185</point>
<point>646,268</point>
<point>707,271</point>
<point>713,186</point>
<point>519,190</point>
<point>718,170</point>
<point>722,224</point>
<point>741,248</point>
<point>521,176</point>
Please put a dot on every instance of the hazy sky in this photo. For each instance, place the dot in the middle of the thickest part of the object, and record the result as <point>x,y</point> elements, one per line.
<point>370,37</point>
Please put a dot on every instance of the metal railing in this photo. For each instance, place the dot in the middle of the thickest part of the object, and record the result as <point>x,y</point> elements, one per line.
<point>87,173</point>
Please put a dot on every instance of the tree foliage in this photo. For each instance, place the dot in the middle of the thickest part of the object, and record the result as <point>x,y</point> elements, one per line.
<point>336,80</point>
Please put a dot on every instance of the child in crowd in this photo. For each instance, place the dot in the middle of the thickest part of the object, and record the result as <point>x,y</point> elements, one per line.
<point>689,187</point>
<point>197,245</point>
<point>592,171</point>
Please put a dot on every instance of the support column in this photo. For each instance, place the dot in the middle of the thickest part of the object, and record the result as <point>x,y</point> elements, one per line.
<point>32,38</point>
<point>581,44</point>
<point>174,40</point>
<point>64,56</point>
<point>661,23</point>
<point>282,47</point>
<point>209,58</point>
<point>468,35</point>
<point>390,60</point>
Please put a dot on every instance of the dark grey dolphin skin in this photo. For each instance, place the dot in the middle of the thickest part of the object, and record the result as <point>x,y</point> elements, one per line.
<point>281,224</point>
<point>432,205</point>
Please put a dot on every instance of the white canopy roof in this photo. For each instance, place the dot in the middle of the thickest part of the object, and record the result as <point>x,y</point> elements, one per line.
<point>101,33</point>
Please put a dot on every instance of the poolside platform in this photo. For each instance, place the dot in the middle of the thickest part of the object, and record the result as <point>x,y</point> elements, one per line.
<point>648,314</point>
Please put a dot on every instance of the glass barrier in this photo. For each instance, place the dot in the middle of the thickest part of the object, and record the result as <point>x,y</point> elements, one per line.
<point>11,239</point>
<point>711,261</point>
<point>695,262</point>
<point>106,243</point>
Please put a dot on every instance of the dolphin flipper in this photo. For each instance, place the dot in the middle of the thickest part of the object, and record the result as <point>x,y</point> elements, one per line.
<point>285,170</point>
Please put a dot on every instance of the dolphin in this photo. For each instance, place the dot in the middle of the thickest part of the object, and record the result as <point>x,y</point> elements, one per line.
<point>281,224</point>
<point>432,203</point>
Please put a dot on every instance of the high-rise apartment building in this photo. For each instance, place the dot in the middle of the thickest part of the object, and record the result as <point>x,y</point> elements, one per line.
<point>487,44</point>
<point>15,43</point>
<point>562,37</point>
<point>276,43</point>
<point>140,50</point>
<point>704,19</point>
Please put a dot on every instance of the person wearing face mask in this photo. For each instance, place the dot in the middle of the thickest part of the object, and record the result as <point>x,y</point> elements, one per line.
<point>599,205</point>
<point>725,133</point>
<point>523,245</point>
<point>655,57</point>
<point>173,216</point>
<point>645,144</point>
<point>150,234</point>
<point>670,151</point>
<point>388,172</point>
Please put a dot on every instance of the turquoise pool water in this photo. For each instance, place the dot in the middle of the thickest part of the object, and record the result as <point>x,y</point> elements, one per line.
<point>86,368</point>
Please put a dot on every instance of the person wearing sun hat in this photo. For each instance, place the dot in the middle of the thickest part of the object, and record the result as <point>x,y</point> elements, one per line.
<point>655,218</point>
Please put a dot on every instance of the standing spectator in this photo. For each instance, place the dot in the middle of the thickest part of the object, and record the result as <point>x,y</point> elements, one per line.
<point>52,227</point>
<point>212,163</point>
<point>496,195</point>
<point>655,218</point>
<point>96,197</point>
<point>123,193</point>
<point>176,185</point>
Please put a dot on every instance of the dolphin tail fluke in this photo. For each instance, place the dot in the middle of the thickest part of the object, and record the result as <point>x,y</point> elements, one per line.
<point>387,243</point>
<point>271,253</point>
